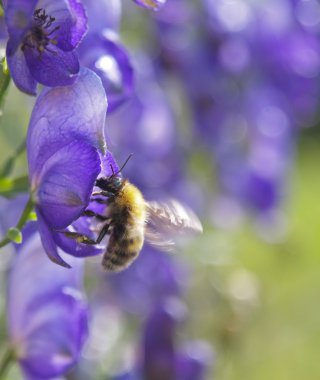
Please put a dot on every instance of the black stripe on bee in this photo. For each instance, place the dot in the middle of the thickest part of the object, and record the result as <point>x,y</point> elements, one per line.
<point>122,255</point>
<point>126,243</point>
<point>119,259</point>
<point>123,244</point>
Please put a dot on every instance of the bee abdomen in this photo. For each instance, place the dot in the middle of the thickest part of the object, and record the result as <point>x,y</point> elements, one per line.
<point>121,253</point>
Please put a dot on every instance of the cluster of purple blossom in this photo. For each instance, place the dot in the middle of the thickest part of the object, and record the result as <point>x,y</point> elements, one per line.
<point>246,74</point>
<point>250,71</point>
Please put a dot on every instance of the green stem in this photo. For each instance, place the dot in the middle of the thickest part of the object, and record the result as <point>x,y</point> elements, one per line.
<point>22,221</point>
<point>7,360</point>
<point>8,166</point>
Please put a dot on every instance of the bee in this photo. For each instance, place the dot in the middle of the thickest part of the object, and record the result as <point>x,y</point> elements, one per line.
<point>130,220</point>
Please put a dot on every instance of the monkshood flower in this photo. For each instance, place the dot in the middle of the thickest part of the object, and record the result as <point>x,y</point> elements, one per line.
<point>161,356</point>
<point>103,14</point>
<point>151,4</point>
<point>47,313</point>
<point>255,62</point>
<point>146,126</point>
<point>148,281</point>
<point>43,36</point>
<point>102,52</point>
<point>105,55</point>
<point>65,147</point>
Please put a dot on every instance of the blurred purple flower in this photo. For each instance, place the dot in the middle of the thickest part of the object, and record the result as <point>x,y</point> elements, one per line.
<point>47,314</point>
<point>103,14</point>
<point>104,54</point>
<point>244,71</point>
<point>65,145</point>
<point>161,358</point>
<point>43,35</point>
<point>146,127</point>
<point>148,281</point>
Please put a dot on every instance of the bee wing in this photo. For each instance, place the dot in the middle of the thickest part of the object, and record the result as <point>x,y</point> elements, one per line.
<point>168,221</point>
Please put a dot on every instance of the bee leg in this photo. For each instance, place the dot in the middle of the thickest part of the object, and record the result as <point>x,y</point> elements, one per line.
<point>91,213</point>
<point>103,232</point>
<point>104,193</point>
<point>80,238</point>
<point>99,200</point>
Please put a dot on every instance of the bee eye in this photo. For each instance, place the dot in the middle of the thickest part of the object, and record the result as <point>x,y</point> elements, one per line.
<point>117,181</point>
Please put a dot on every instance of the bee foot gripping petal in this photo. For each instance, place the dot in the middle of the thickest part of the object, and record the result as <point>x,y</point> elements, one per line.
<point>49,244</point>
<point>80,238</point>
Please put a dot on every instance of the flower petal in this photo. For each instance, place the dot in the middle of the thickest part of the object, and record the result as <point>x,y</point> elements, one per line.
<point>47,315</point>
<point>103,14</point>
<point>160,338</point>
<point>193,362</point>
<point>63,114</point>
<point>48,243</point>
<point>54,67</point>
<point>53,345</point>
<point>71,19</point>
<point>20,72</point>
<point>105,55</point>
<point>18,14</point>
<point>109,165</point>
<point>71,246</point>
<point>151,279</point>
<point>66,182</point>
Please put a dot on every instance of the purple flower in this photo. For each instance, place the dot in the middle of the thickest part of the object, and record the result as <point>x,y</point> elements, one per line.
<point>104,54</point>
<point>65,145</point>
<point>244,71</point>
<point>103,14</point>
<point>161,357</point>
<point>149,280</point>
<point>146,126</point>
<point>47,314</point>
<point>43,35</point>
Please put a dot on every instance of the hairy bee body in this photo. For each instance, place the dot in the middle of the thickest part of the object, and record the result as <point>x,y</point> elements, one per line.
<point>130,220</point>
<point>127,211</point>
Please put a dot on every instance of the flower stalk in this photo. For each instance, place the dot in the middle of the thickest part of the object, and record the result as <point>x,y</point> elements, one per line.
<point>7,167</point>
<point>7,359</point>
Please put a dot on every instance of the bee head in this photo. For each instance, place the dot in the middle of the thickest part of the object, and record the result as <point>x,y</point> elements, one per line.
<point>112,183</point>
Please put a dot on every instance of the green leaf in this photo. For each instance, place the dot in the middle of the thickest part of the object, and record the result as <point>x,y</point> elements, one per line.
<point>4,80</point>
<point>10,187</point>
<point>14,235</point>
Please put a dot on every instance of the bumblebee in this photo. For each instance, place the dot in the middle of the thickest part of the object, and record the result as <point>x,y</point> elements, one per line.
<point>130,220</point>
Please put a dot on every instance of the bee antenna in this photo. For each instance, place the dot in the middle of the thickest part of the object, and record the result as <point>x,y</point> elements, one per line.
<point>120,170</point>
<point>112,169</point>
